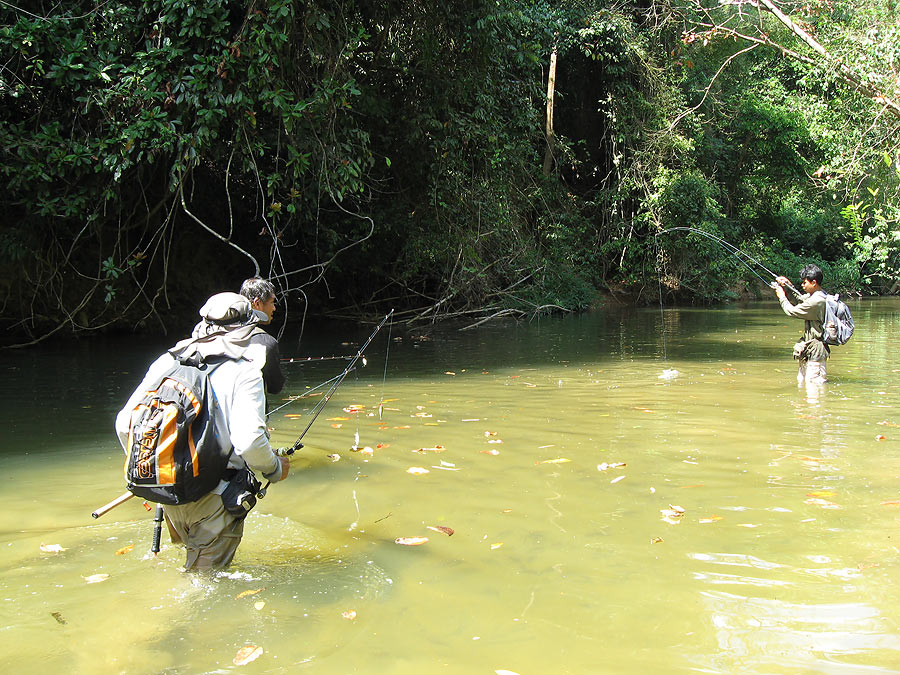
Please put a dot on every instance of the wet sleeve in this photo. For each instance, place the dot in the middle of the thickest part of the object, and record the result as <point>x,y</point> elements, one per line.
<point>272,373</point>
<point>248,424</point>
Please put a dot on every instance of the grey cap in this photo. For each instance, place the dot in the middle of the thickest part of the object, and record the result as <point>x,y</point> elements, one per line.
<point>226,308</point>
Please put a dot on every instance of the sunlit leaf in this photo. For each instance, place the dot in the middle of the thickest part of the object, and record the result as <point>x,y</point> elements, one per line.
<point>334,457</point>
<point>410,541</point>
<point>449,372</point>
<point>367,451</point>
<point>350,614</point>
<point>125,549</point>
<point>383,445</point>
<point>490,433</point>
<point>336,425</point>
<point>441,528</point>
<point>258,605</point>
<point>96,578</point>
<point>558,460</point>
<point>748,525</point>
<point>496,545</point>
<point>247,654</point>
<point>495,440</point>
<point>867,565</point>
<point>338,419</point>
<point>417,470</point>
<point>604,466</point>
<point>820,493</point>
<point>244,594</point>
<point>422,414</point>
<point>492,451</point>
<point>656,540</point>
<point>436,448</point>
<point>616,480</point>
<point>891,502</point>
<point>887,423</point>
<point>881,437</point>
<point>710,519</point>
<point>676,508</point>
<point>403,426</point>
<point>52,548</point>
<point>293,416</point>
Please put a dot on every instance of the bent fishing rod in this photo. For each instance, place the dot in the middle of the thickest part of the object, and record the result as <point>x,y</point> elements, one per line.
<point>736,252</point>
<point>317,409</point>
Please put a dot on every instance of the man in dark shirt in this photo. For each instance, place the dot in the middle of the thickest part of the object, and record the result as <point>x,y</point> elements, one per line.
<point>261,294</point>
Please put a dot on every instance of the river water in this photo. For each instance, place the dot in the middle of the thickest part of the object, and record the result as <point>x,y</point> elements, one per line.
<point>641,491</point>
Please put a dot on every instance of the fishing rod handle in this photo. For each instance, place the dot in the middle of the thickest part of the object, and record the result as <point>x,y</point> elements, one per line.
<point>113,504</point>
<point>157,529</point>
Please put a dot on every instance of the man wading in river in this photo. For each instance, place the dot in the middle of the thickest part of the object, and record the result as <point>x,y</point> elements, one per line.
<point>811,351</point>
<point>211,526</point>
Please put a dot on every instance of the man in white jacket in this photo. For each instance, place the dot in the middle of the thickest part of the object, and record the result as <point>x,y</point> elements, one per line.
<point>209,532</point>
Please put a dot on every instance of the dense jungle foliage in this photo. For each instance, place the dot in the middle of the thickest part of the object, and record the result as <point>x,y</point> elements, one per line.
<point>374,154</point>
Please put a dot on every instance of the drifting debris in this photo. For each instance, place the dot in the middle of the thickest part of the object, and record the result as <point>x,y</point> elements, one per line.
<point>411,541</point>
<point>247,654</point>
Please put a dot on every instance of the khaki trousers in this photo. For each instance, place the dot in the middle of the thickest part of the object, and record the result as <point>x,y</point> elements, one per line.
<point>209,533</point>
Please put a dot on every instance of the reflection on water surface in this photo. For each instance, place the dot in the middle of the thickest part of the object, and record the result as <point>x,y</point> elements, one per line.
<point>645,492</point>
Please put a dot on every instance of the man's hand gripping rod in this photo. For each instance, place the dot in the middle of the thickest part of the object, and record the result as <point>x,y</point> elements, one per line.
<point>287,452</point>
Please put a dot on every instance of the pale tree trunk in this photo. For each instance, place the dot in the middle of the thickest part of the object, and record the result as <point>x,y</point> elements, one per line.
<point>548,130</point>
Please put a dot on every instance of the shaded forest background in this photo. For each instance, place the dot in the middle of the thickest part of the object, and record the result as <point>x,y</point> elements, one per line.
<point>468,159</point>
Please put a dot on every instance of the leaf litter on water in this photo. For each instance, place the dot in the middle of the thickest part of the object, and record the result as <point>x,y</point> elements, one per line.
<point>247,654</point>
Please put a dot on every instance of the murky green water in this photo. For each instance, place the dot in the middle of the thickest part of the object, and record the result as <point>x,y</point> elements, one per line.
<point>785,559</point>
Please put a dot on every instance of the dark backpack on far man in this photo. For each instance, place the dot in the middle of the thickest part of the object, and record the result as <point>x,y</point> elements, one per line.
<point>838,324</point>
<point>174,456</point>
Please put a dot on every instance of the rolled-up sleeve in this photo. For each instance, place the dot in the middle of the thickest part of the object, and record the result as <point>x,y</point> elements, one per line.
<point>808,309</point>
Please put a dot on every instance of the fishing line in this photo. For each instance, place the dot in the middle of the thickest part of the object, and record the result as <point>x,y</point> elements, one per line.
<point>740,255</point>
<point>308,393</point>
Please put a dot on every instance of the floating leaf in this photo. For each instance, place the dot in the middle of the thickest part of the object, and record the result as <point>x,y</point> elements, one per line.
<point>441,528</point>
<point>449,372</point>
<point>337,419</point>
<point>496,545</point>
<point>891,502</point>
<point>417,470</point>
<point>125,549</point>
<point>410,541</point>
<point>749,525</point>
<point>492,451</point>
<point>334,457</point>
<point>337,425</point>
<point>490,433</point>
<point>403,426</point>
<point>96,578</point>
<point>59,618</point>
<point>422,414</point>
<point>367,451</point>
<point>52,548</point>
<point>383,445</point>
<point>710,519</point>
<point>881,437</point>
<point>656,540</point>
<point>350,614</point>
<point>244,594</point>
<point>824,503</point>
<point>616,480</point>
<point>258,605</point>
<point>436,448</point>
<point>820,493</point>
<point>604,466</point>
<point>676,508</point>
<point>495,440</point>
<point>247,654</point>
<point>558,460</point>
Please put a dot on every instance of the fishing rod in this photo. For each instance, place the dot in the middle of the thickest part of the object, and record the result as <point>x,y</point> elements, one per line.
<point>307,394</point>
<point>308,359</point>
<point>317,409</point>
<point>737,253</point>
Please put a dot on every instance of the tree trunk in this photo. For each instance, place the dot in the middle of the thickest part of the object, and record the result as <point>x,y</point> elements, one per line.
<point>548,130</point>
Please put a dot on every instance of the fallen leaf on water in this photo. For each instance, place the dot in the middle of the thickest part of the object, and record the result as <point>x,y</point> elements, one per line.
<point>383,445</point>
<point>410,541</point>
<point>676,508</point>
<point>402,426</point>
<point>247,654</point>
<point>449,372</point>
<point>656,540</point>
<point>244,594</point>
<point>881,437</point>
<point>441,528</point>
<point>544,447</point>
<point>334,457</point>
<point>422,414</point>
<point>350,614</point>
<point>125,549</point>
<point>824,503</point>
<point>490,433</point>
<point>259,605</point>
<point>337,425</point>
<point>611,465</point>
<point>616,480</point>
<point>59,618</point>
<point>558,460</point>
<point>52,548</point>
<point>436,448</point>
<point>495,440</point>
<point>891,502</point>
<point>417,470</point>
<point>867,565</point>
<point>886,423</point>
<point>293,416</point>
<point>492,451</point>
<point>496,545</point>
<point>96,578</point>
<point>710,519</point>
<point>807,458</point>
<point>750,525</point>
<point>820,493</point>
<point>367,451</point>
<point>336,419</point>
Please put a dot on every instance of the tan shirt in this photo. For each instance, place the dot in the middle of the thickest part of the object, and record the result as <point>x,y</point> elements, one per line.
<point>811,309</point>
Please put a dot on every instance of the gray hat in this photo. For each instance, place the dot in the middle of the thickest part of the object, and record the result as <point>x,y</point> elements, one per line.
<point>228,308</point>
